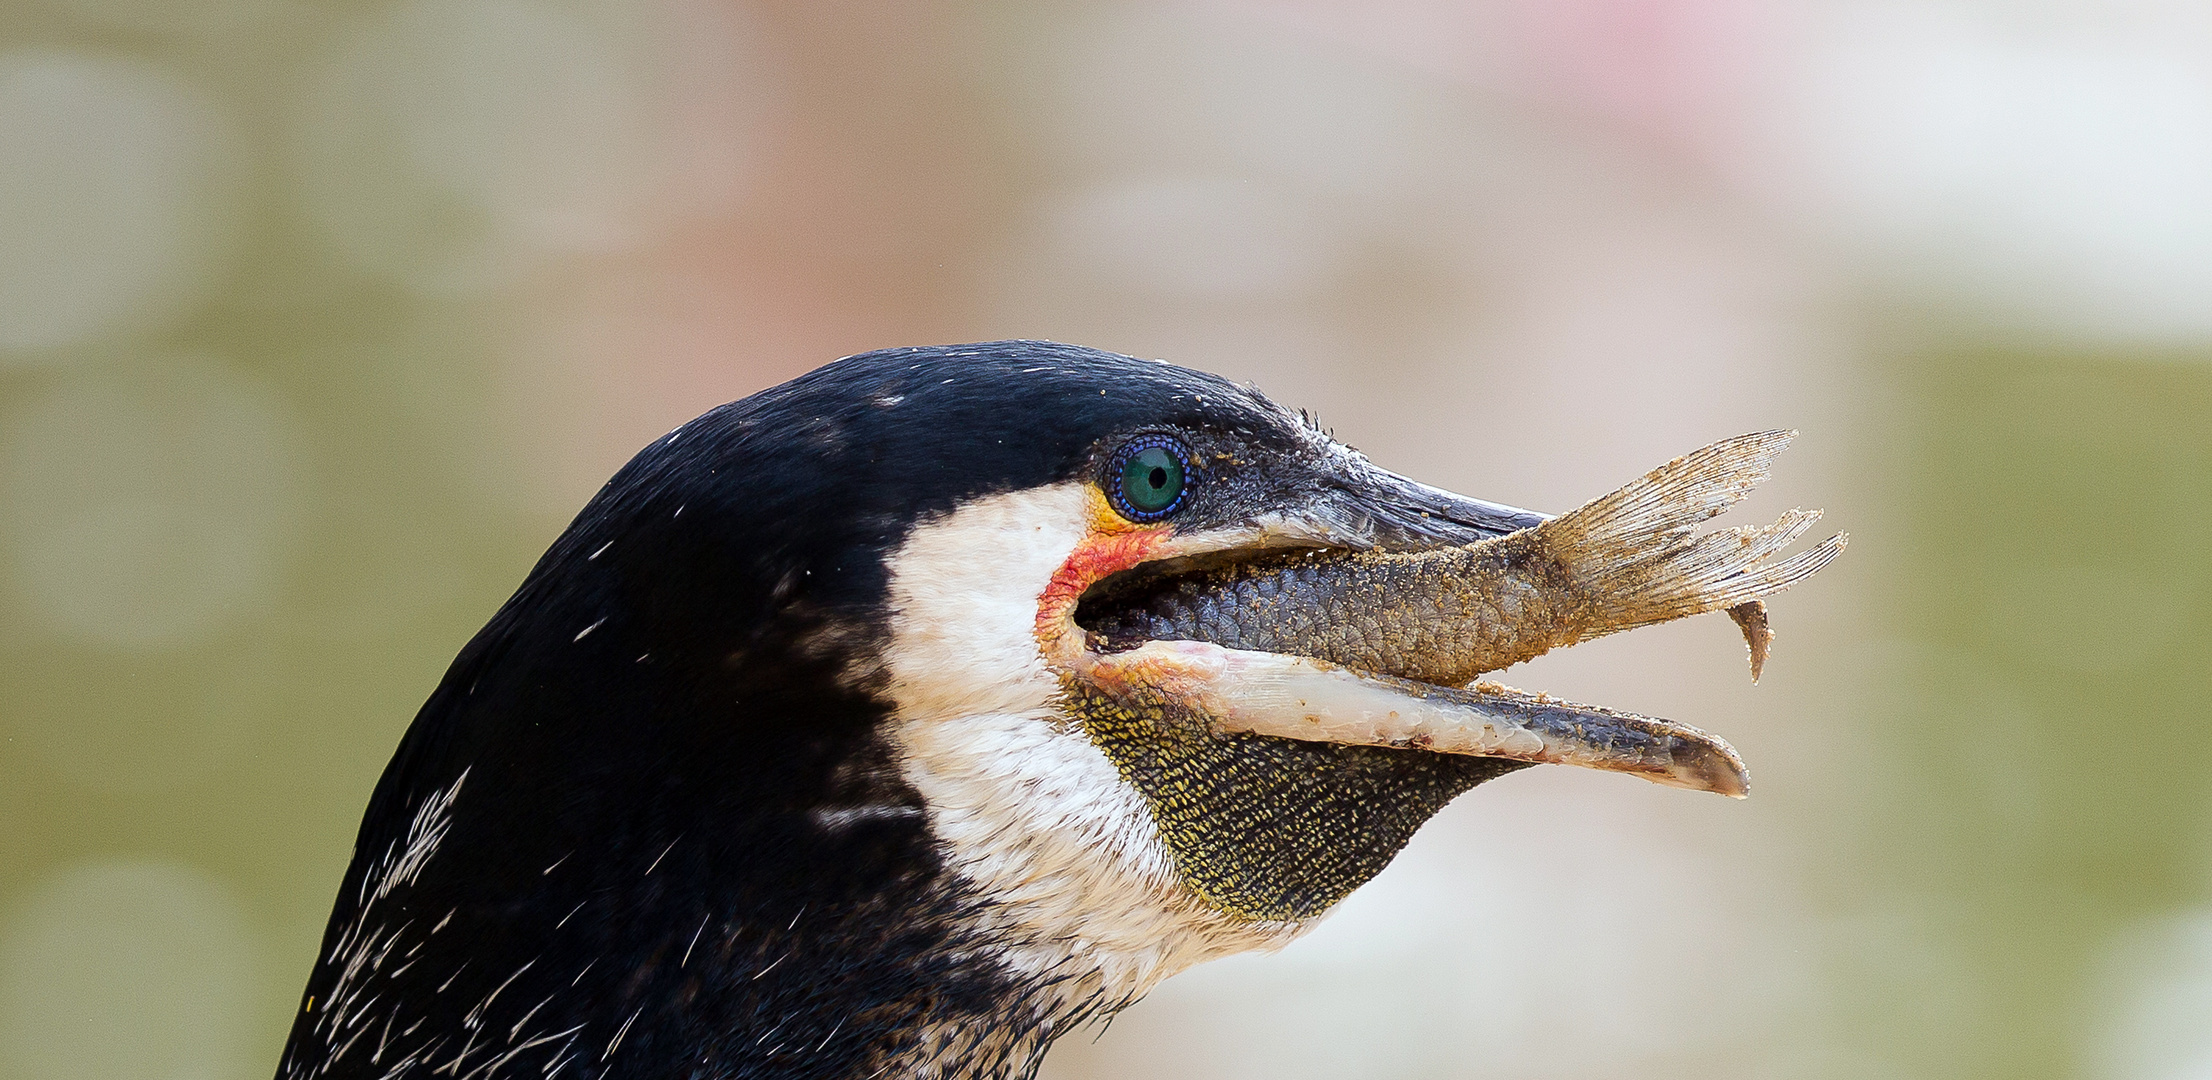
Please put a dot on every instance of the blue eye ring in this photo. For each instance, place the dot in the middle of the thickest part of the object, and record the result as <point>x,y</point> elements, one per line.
<point>1149,478</point>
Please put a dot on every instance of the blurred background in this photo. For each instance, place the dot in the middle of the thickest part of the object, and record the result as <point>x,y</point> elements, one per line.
<point>319,318</point>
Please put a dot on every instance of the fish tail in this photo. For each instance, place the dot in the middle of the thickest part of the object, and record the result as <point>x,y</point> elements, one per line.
<point>1635,554</point>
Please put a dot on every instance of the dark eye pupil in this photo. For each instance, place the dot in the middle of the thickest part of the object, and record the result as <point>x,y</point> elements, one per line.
<point>1152,480</point>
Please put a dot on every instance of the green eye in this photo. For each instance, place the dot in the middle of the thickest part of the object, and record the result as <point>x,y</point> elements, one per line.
<point>1150,478</point>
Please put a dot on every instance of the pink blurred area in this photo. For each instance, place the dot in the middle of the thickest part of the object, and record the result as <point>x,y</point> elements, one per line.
<point>1523,192</point>
<point>829,237</point>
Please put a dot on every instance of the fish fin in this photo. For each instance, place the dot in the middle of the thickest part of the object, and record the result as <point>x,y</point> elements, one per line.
<point>1635,554</point>
<point>1758,634</point>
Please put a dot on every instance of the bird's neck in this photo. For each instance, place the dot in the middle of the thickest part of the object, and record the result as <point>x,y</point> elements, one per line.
<point>632,873</point>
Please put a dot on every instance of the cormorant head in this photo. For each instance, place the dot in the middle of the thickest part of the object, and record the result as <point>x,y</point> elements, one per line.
<point>929,523</point>
<point>785,760</point>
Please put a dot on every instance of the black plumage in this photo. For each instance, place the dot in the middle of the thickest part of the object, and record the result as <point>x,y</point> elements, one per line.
<point>601,848</point>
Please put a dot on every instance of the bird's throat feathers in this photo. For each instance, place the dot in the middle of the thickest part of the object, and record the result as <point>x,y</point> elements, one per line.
<point>1116,835</point>
<point>1024,803</point>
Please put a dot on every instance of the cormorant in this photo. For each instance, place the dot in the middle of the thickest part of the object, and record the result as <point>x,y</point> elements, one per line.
<point>778,765</point>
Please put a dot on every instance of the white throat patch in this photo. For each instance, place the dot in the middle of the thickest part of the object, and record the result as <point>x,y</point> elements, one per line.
<point>1025,805</point>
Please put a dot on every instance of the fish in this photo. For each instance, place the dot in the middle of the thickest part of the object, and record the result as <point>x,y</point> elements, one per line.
<point>1390,647</point>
